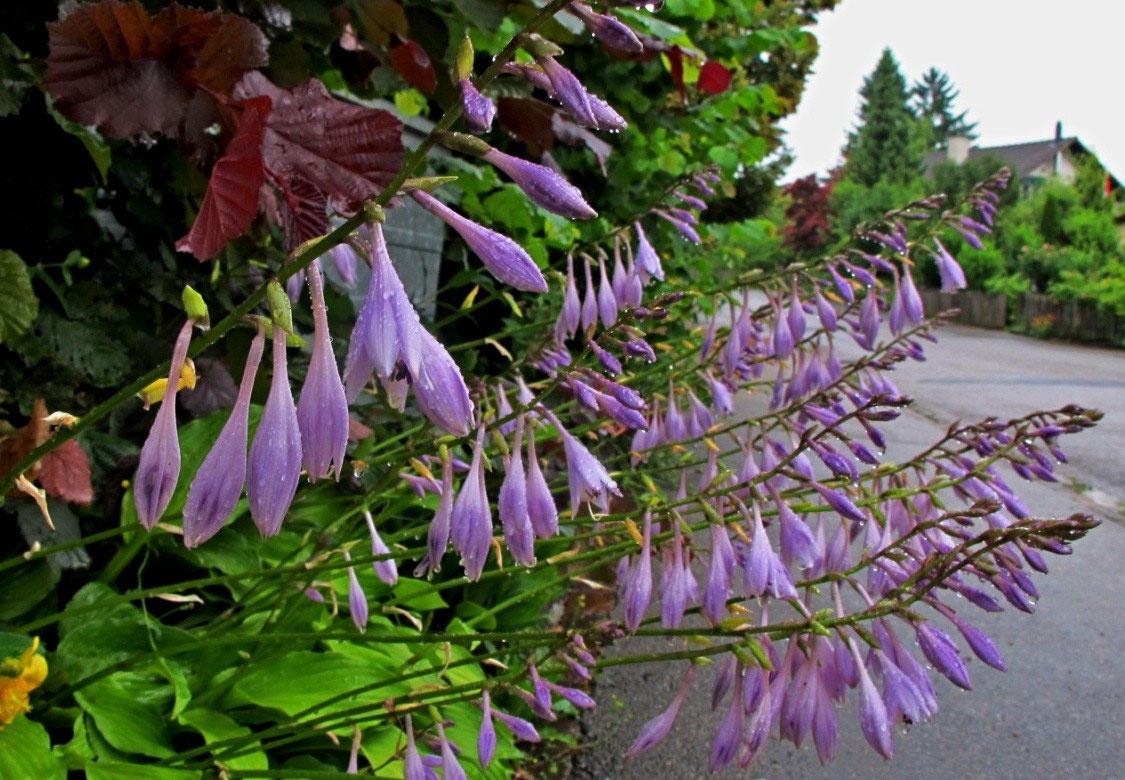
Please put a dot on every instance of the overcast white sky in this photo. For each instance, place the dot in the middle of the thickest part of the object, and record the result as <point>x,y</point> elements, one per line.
<point>1020,65</point>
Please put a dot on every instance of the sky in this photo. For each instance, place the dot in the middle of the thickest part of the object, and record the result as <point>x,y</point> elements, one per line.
<point>1020,66</point>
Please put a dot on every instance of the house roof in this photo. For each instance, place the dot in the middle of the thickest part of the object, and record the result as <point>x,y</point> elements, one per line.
<point>1023,157</point>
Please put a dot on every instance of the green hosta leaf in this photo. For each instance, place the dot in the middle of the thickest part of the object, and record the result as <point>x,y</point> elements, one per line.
<point>215,726</point>
<point>18,304</point>
<point>418,595</point>
<point>123,708</point>
<point>113,770</point>
<point>25,751</point>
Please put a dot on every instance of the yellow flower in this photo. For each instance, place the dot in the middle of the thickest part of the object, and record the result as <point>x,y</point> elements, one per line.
<point>18,678</point>
<point>155,391</point>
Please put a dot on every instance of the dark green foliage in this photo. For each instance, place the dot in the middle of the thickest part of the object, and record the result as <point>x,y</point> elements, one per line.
<point>884,145</point>
<point>932,99</point>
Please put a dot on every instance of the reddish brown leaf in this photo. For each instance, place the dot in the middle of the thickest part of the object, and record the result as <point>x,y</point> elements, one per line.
<point>379,19</point>
<point>15,447</point>
<point>675,57</point>
<point>65,474</point>
<point>304,213</point>
<point>529,120</point>
<point>113,66</point>
<point>232,193</point>
<point>346,151</point>
<point>412,62</point>
<point>714,78</point>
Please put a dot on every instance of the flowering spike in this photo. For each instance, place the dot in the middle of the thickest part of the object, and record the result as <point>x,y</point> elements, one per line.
<point>274,467</point>
<point>502,256</point>
<point>158,470</point>
<point>512,505</point>
<point>218,484</point>
<point>322,410</point>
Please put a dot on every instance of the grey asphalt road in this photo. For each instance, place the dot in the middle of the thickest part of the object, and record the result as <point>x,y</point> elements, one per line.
<point>1059,711</point>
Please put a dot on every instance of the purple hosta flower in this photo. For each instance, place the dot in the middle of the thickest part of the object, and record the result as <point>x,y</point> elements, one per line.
<point>579,699</point>
<point>486,738</point>
<point>911,301</point>
<point>941,651</point>
<point>543,186</point>
<point>471,521</point>
<point>637,582</point>
<point>720,575</point>
<point>357,599</point>
<point>980,643</point>
<point>612,33</point>
<point>874,720</point>
<point>440,389</point>
<point>678,588</point>
<point>437,539</point>
<point>322,410</point>
<point>158,470</point>
<point>589,300</point>
<point>763,569</point>
<point>919,695</point>
<point>513,508</point>
<point>540,697</point>
<point>479,110</point>
<point>621,277</point>
<point>588,478</point>
<point>570,315</point>
<point>584,107</point>
<point>782,340</point>
<point>728,737</point>
<point>609,362</point>
<point>700,415</point>
<point>502,256</point>
<point>540,503</point>
<point>842,285</point>
<point>385,569</point>
<point>869,319</point>
<point>840,502</point>
<point>654,732</point>
<point>412,766</point>
<point>721,398</point>
<point>451,768</point>
<point>826,312</point>
<point>684,228</point>
<point>607,300</point>
<point>218,484</point>
<point>344,261</point>
<point>504,411</point>
<point>648,262</point>
<point>950,271</point>
<point>274,467</point>
<point>795,315</point>
<point>901,694</point>
<point>632,293</point>
<point>796,539</point>
<point>294,284</point>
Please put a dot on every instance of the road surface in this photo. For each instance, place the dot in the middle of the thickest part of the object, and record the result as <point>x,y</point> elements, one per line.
<point>1059,711</point>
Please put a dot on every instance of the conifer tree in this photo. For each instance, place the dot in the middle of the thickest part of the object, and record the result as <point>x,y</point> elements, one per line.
<point>932,99</point>
<point>884,145</point>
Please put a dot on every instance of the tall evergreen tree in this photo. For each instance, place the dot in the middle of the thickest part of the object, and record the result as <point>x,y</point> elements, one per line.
<point>884,145</point>
<point>932,99</point>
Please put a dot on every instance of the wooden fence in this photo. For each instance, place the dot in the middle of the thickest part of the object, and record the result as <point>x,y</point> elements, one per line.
<point>1033,313</point>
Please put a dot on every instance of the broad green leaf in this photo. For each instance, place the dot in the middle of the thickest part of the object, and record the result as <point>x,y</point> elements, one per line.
<point>215,726</point>
<point>410,102</point>
<point>25,587</point>
<point>25,751</point>
<point>77,753</point>
<point>18,304</point>
<point>418,595</point>
<point>113,770</point>
<point>123,710</point>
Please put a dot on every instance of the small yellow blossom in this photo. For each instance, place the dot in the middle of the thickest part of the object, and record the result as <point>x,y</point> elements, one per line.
<point>155,391</point>
<point>18,678</point>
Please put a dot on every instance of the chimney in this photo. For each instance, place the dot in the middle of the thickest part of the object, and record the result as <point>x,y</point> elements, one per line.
<point>957,148</point>
<point>1058,148</point>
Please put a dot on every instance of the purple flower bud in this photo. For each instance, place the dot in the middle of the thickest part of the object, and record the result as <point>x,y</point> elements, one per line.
<point>589,300</point>
<point>911,300</point>
<point>796,540</point>
<point>941,651</point>
<point>471,522</point>
<point>519,727</point>
<point>479,110</point>
<point>637,583</point>
<point>440,390</point>
<point>357,599</point>
<point>437,538</point>
<point>609,362</point>
<point>677,582</point>
<point>782,335</point>
<point>294,284</point>
<point>412,768</point>
<point>275,456</point>
<point>158,470</point>
<point>540,503</point>
<point>578,698</point>
<point>648,262</point>
<point>451,768</point>
<point>683,228</point>
<point>568,90</point>
<point>952,276</point>
<point>970,238</point>
<point>869,320</point>
<point>728,737</point>
<point>588,478</point>
<point>512,506</point>
<point>719,575</point>
<point>218,484</point>
<point>344,261</point>
<point>503,257</point>
<point>543,186</point>
<point>571,314</point>
<point>607,301</point>
<point>842,285</point>
<point>612,33</point>
<point>654,732</point>
<point>322,410</point>
<point>981,644</point>
<point>486,738</point>
<point>541,698</point>
<point>826,312</point>
<point>874,721</point>
<point>385,569</point>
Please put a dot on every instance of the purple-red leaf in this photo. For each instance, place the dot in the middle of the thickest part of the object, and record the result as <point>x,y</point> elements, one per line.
<point>113,66</point>
<point>412,62</point>
<point>304,213</point>
<point>530,121</point>
<point>714,78</point>
<point>346,151</point>
<point>65,474</point>
<point>231,201</point>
